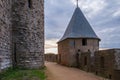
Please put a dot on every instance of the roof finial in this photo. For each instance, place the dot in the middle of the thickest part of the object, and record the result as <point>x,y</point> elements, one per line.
<point>77,3</point>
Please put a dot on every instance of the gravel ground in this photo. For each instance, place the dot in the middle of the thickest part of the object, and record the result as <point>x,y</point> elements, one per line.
<point>57,72</point>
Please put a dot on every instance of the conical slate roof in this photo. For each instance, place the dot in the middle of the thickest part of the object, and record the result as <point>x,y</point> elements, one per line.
<point>79,27</point>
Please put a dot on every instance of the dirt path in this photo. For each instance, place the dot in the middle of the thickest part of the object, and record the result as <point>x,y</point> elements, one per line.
<point>58,72</point>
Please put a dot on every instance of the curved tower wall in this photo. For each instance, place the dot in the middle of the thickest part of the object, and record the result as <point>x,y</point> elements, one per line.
<point>68,49</point>
<point>5,34</point>
<point>28,33</point>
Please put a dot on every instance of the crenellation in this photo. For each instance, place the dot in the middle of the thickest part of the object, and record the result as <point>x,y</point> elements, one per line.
<point>79,47</point>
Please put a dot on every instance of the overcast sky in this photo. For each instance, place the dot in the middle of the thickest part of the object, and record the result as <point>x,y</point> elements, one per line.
<point>103,15</point>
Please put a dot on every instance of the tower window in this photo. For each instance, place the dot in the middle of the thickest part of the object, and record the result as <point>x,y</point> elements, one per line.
<point>30,3</point>
<point>85,60</point>
<point>102,62</point>
<point>110,76</point>
<point>84,42</point>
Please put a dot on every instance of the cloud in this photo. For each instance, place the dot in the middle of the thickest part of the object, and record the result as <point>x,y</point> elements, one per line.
<point>117,13</point>
<point>51,46</point>
<point>51,43</point>
<point>51,50</point>
<point>107,31</point>
<point>110,37</point>
<point>57,15</point>
<point>103,15</point>
<point>91,7</point>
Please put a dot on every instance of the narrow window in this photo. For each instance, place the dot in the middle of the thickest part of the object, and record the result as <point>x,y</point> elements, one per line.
<point>30,3</point>
<point>98,43</point>
<point>59,57</point>
<point>15,56</point>
<point>96,73</point>
<point>102,62</point>
<point>110,76</point>
<point>84,42</point>
<point>85,60</point>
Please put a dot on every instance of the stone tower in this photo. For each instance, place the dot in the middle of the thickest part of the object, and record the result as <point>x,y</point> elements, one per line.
<point>22,33</point>
<point>78,37</point>
<point>28,33</point>
<point>5,34</point>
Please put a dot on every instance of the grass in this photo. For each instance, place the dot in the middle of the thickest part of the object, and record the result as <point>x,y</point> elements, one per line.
<point>18,74</point>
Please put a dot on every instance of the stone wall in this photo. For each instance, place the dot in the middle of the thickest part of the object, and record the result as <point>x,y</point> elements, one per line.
<point>63,50</point>
<point>68,49</point>
<point>85,61</point>
<point>92,45</point>
<point>116,75</point>
<point>5,34</point>
<point>104,63</point>
<point>21,33</point>
<point>28,33</point>
<point>107,63</point>
<point>117,59</point>
<point>51,57</point>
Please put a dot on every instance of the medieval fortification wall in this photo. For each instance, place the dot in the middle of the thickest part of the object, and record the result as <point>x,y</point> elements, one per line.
<point>5,34</point>
<point>21,33</point>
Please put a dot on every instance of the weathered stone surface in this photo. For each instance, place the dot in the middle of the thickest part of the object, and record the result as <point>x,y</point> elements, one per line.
<point>28,27</point>
<point>107,63</point>
<point>5,34</point>
<point>22,33</point>
<point>117,59</point>
<point>68,49</point>
<point>51,57</point>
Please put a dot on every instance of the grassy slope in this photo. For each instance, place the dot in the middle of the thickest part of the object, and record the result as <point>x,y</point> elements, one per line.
<point>17,74</point>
